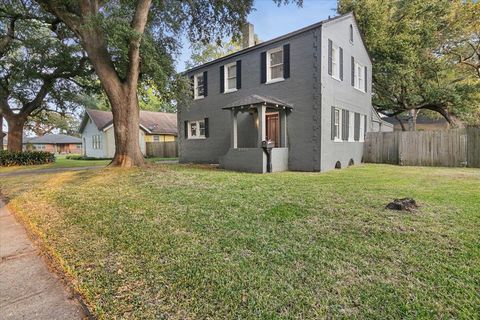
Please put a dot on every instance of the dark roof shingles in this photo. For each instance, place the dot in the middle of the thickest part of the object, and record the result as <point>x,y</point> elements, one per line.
<point>155,122</point>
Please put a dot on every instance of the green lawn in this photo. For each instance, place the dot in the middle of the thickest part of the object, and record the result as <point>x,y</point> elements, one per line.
<point>191,242</point>
<point>62,162</point>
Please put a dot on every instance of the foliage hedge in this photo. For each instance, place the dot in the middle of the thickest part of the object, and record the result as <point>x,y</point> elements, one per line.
<point>80,157</point>
<point>25,158</point>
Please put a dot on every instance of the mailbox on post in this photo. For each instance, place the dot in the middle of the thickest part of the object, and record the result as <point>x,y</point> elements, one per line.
<point>267,147</point>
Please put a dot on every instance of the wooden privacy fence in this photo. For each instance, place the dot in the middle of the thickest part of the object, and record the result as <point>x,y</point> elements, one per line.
<point>162,149</point>
<point>446,148</point>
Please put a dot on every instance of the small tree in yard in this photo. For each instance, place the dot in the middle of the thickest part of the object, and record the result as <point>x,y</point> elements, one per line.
<point>130,41</point>
<point>39,65</point>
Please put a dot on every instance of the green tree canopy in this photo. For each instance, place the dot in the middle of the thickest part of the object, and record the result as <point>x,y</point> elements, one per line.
<point>409,73</point>
<point>41,68</point>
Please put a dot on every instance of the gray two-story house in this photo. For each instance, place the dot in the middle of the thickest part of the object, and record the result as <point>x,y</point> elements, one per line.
<point>308,93</point>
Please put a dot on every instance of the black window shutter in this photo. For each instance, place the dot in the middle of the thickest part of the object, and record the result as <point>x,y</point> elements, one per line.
<point>333,123</point>
<point>205,84</point>
<point>357,127</point>
<point>206,127</point>
<point>347,123</point>
<point>185,129</point>
<point>341,64</point>
<point>366,79</point>
<point>239,74</point>
<point>330,64</point>
<point>192,85</point>
<point>365,125</point>
<point>263,67</point>
<point>353,71</point>
<point>344,125</point>
<point>222,79</point>
<point>286,61</point>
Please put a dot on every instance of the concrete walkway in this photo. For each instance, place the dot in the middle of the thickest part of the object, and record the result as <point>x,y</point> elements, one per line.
<point>28,289</point>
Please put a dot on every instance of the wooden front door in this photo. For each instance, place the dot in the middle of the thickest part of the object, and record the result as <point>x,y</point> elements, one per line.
<point>273,128</point>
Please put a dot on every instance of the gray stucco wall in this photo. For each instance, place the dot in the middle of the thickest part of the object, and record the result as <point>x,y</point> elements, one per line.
<point>297,90</point>
<point>342,94</point>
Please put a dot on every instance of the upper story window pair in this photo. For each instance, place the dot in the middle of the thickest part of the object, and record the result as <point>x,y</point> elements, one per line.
<point>274,67</point>
<point>359,78</point>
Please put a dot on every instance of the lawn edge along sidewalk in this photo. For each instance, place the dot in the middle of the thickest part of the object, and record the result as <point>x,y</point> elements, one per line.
<point>33,286</point>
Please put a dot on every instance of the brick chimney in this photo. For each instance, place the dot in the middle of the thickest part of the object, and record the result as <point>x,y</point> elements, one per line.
<point>248,36</point>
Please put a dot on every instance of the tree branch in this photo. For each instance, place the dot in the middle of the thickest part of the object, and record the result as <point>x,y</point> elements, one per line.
<point>138,25</point>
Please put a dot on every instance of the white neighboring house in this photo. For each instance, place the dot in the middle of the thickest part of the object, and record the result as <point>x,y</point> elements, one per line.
<point>97,131</point>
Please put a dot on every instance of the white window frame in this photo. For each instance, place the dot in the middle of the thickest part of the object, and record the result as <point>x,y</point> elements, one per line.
<point>195,86</point>
<point>361,137</point>
<point>351,127</point>
<point>359,76</point>
<point>226,77</point>
<point>269,66</point>
<point>335,62</point>
<point>337,124</point>
<point>96,141</point>
<point>156,138</point>
<point>197,135</point>
<point>40,147</point>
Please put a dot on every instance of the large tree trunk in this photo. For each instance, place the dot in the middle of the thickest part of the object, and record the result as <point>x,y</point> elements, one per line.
<point>2,135</point>
<point>126,119</point>
<point>15,132</point>
<point>413,120</point>
<point>121,91</point>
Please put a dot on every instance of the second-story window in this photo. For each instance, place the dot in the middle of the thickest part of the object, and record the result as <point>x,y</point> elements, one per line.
<point>335,64</point>
<point>275,64</point>
<point>231,77</point>
<point>359,76</point>
<point>199,86</point>
<point>335,60</point>
<point>351,33</point>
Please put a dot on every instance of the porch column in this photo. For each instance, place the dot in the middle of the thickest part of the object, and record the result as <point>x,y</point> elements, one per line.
<point>261,124</point>
<point>283,128</point>
<point>234,135</point>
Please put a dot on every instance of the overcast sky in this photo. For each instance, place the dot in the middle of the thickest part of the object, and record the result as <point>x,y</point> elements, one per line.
<point>271,21</point>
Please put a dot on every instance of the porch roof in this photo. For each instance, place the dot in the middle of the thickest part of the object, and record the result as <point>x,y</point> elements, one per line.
<point>254,100</point>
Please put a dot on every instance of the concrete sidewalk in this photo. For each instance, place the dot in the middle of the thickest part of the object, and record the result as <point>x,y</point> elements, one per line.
<point>28,289</point>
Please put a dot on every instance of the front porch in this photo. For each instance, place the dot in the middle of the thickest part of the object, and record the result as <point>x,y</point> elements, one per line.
<point>270,120</point>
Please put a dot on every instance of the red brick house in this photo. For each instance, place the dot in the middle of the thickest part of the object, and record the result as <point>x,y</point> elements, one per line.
<point>54,143</point>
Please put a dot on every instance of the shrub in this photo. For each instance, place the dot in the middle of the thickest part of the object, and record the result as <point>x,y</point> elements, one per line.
<point>80,157</point>
<point>25,158</point>
<point>74,157</point>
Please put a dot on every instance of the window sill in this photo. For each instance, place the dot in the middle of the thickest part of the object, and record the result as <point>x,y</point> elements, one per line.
<point>338,140</point>
<point>230,91</point>
<point>275,80</point>
<point>196,138</point>
<point>362,91</point>
<point>335,78</point>
<point>198,98</point>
